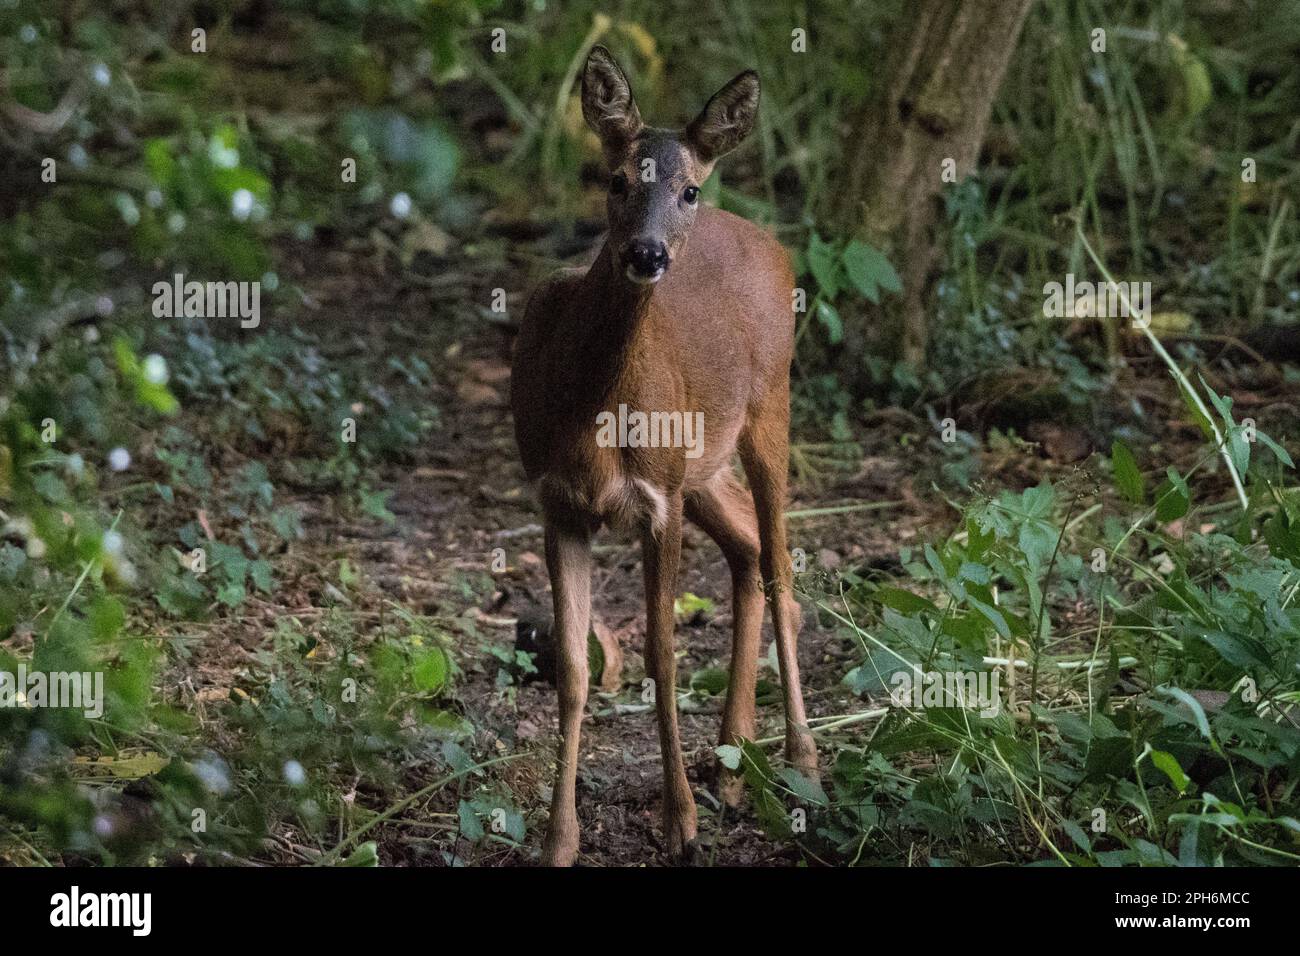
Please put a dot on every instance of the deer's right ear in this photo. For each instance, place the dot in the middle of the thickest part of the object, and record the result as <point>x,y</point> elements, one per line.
<point>607,103</point>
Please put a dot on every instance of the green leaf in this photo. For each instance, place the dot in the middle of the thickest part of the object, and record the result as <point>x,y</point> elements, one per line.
<point>1078,835</point>
<point>807,789</point>
<point>869,270</point>
<point>710,680</point>
<point>429,670</point>
<point>729,756</point>
<point>471,828</point>
<point>1172,501</point>
<point>829,317</point>
<point>1282,454</point>
<point>1128,479</point>
<point>367,854</point>
<point>1239,651</point>
<point>231,594</point>
<point>691,605</point>
<point>823,265</point>
<point>375,504</point>
<point>904,601</point>
<point>1198,712</point>
<point>1168,764</point>
<point>1198,416</point>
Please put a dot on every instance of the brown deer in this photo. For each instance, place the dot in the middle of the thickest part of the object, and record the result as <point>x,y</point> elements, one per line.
<point>687,309</point>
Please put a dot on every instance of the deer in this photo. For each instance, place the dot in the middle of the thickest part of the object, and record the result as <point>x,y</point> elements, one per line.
<point>686,309</point>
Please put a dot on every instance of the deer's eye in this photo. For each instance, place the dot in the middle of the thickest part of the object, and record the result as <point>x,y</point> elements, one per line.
<point>618,184</point>
<point>691,194</point>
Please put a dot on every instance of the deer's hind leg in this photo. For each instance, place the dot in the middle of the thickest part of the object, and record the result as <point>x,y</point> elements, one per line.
<point>725,512</point>
<point>764,448</point>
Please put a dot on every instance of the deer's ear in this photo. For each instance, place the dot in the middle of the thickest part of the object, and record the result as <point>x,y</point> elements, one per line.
<point>726,119</point>
<point>607,103</point>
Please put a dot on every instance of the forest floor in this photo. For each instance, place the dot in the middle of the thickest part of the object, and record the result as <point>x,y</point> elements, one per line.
<point>464,494</point>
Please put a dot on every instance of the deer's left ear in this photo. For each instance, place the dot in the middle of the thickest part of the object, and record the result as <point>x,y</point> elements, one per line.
<point>726,119</point>
<point>607,104</point>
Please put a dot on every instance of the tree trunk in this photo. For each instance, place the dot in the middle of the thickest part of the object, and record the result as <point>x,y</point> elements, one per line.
<point>947,62</point>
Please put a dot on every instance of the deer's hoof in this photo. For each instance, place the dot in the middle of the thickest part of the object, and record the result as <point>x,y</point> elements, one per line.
<point>692,854</point>
<point>680,837</point>
<point>560,848</point>
<point>554,855</point>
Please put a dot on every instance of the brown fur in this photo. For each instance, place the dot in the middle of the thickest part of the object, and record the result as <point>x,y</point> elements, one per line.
<point>714,335</point>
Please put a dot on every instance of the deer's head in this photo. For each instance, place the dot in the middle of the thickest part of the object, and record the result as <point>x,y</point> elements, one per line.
<point>656,174</point>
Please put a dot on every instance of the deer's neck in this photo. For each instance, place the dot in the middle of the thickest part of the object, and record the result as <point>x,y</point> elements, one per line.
<point>612,327</point>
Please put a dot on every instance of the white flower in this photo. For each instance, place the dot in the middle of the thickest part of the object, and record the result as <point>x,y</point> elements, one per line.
<point>400,206</point>
<point>270,281</point>
<point>221,155</point>
<point>21,526</point>
<point>104,305</point>
<point>241,204</point>
<point>155,369</point>
<point>212,773</point>
<point>112,543</point>
<point>119,459</point>
<point>153,198</point>
<point>294,774</point>
<point>129,210</point>
<point>102,75</point>
<point>75,465</point>
<point>124,571</point>
<point>176,222</point>
<point>35,548</point>
<point>77,156</point>
<point>28,33</point>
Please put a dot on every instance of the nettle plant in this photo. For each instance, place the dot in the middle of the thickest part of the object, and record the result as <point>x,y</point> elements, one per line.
<point>1148,656</point>
<point>841,270</point>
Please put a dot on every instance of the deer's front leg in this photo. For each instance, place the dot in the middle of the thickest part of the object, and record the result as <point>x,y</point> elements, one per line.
<point>568,560</point>
<point>661,549</point>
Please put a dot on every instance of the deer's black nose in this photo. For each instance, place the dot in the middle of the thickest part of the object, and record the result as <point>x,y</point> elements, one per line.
<point>646,257</point>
